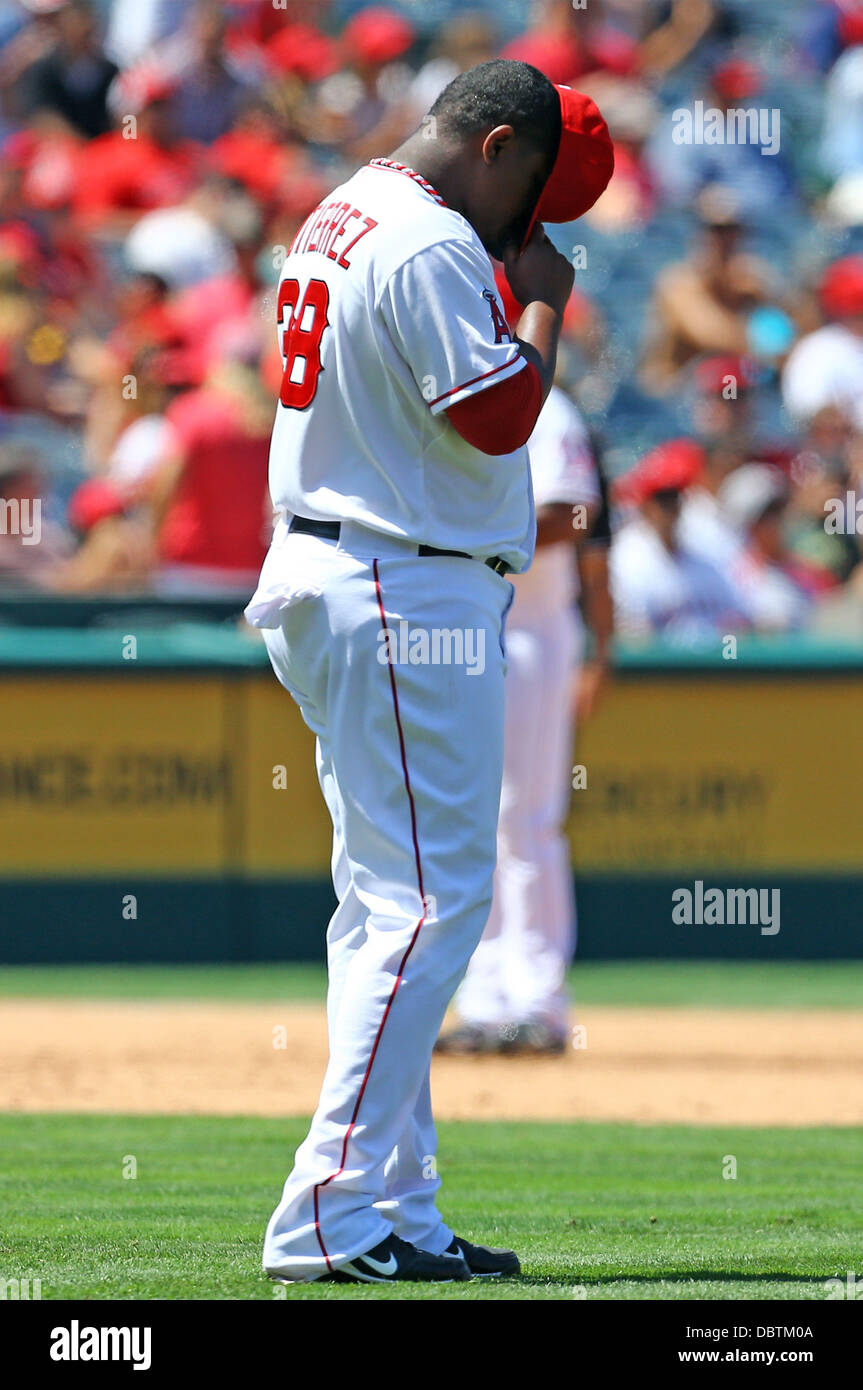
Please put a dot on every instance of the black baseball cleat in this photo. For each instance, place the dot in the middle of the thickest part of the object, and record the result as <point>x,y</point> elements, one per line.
<point>467,1040</point>
<point>389,1262</point>
<point>531,1039</point>
<point>395,1259</point>
<point>483,1262</point>
<point>526,1039</point>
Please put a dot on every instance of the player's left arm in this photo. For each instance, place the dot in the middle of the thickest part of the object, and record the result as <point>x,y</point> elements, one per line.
<point>598,611</point>
<point>597,606</point>
<point>563,521</point>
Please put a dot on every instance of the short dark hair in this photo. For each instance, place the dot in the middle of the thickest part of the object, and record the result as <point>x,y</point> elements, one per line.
<point>502,92</point>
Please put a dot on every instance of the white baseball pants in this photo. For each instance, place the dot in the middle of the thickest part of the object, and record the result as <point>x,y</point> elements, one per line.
<point>518,972</point>
<point>409,760</point>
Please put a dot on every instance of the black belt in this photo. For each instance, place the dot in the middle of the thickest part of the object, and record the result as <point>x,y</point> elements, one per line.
<point>331,530</point>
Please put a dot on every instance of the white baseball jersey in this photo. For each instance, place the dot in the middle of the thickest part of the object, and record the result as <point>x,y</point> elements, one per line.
<point>388,315</point>
<point>563,470</point>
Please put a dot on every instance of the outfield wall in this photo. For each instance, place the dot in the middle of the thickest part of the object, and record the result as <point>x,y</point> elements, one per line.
<point>143,815</point>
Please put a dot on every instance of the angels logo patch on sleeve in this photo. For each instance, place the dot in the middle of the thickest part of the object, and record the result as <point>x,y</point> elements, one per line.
<point>501,327</point>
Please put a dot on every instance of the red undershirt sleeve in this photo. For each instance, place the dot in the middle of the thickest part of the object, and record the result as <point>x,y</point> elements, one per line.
<point>501,418</point>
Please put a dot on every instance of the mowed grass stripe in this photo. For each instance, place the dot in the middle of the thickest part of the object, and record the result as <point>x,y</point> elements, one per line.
<point>708,984</point>
<point>603,1211</point>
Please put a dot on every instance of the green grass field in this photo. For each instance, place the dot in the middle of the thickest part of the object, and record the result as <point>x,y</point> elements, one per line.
<point>693,984</point>
<point>618,1211</point>
<point>597,1211</point>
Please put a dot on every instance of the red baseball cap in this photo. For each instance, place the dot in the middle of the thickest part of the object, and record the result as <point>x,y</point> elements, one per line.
<point>304,51</point>
<point>379,35</point>
<point>842,287</point>
<point>737,78</point>
<point>673,465</point>
<point>850,22</point>
<point>584,163</point>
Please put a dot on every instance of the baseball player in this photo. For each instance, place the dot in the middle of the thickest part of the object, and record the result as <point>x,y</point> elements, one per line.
<point>399,472</point>
<point>514,997</point>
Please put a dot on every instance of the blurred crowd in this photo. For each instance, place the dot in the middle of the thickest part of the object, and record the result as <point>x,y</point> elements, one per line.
<point>159,155</point>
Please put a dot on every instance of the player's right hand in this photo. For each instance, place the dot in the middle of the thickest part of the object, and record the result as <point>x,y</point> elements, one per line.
<point>540,272</point>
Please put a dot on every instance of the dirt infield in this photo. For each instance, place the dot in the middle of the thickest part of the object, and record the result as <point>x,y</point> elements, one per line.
<point>650,1065</point>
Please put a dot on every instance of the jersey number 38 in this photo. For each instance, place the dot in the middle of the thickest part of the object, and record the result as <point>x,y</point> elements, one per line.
<point>301,340</point>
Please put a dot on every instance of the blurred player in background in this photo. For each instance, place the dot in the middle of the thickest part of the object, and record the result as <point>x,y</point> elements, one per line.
<point>514,998</point>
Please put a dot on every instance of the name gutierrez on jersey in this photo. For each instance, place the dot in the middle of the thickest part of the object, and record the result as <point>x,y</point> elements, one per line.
<point>325,227</point>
